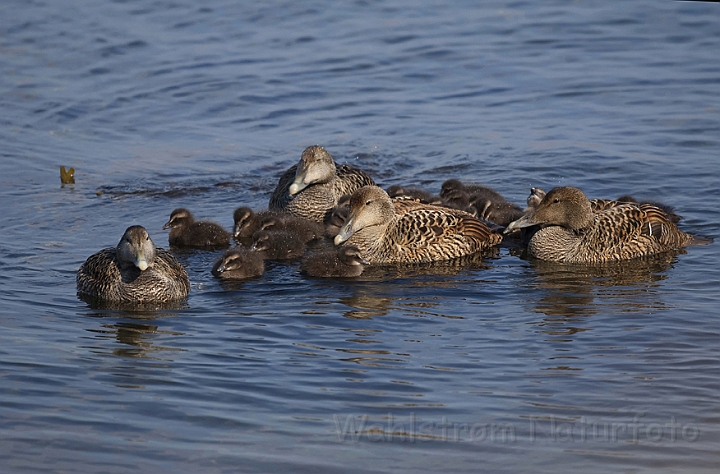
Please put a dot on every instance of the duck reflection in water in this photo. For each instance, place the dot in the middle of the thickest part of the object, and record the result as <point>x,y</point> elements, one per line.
<point>366,305</point>
<point>134,339</point>
<point>570,290</point>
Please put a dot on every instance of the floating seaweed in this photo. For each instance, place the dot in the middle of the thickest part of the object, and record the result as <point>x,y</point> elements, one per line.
<point>67,176</point>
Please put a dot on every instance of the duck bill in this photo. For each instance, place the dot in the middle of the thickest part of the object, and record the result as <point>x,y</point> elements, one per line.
<point>299,183</point>
<point>296,187</point>
<point>167,225</point>
<point>236,231</point>
<point>346,231</point>
<point>141,262</point>
<point>524,221</point>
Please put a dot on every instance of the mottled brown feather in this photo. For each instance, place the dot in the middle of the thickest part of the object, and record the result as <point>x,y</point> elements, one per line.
<point>317,200</point>
<point>106,277</point>
<point>418,233</point>
<point>581,231</point>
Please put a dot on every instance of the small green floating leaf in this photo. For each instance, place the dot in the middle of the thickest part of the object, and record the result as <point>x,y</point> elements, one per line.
<point>67,176</point>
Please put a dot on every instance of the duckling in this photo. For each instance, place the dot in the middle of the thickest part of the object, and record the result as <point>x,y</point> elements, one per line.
<point>533,200</point>
<point>493,207</point>
<point>279,245</point>
<point>412,192</point>
<point>489,204</point>
<point>239,264</point>
<point>314,186</point>
<point>134,271</point>
<point>185,232</point>
<point>422,233</point>
<point>345,262</point>
<point>306,229</point>
<point>335,220</point>
<point>574,233</point>
<point>247,222</point>
<point>454,195</point>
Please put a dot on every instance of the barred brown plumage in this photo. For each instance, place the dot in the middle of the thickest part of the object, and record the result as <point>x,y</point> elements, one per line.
<point>577,230</point>
<point>313,187</point>
<point>133,272</point>
<point>410,232</point>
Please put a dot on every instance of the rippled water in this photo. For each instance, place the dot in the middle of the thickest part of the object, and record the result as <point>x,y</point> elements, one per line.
<point>499,365</point>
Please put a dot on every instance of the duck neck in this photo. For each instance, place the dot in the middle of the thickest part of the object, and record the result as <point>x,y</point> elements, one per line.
<point>582,218</point>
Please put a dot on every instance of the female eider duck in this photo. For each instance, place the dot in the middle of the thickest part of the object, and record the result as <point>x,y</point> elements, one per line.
<point>133,272</point>
<point>576,231</point>
<point>185,232</point>
<point>418,233</point>
<point>239,264</point>
<point>313,187</point>
<point>345,262</point>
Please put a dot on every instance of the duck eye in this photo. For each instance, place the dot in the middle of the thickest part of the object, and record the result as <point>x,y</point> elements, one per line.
<point>556,200</point>
<point>367,203</point>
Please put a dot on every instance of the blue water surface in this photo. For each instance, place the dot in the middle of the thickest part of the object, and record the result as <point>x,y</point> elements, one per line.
<point>502,365</point>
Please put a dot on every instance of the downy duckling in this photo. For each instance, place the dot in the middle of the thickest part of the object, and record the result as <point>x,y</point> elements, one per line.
<point>489,204</point>
<point>247,222</point>
<point>279,245</point>
<point>345,262</point>
<point>306,229</point>
<point>185,232</point>
<point>239,264</point>
<point>413,192</point>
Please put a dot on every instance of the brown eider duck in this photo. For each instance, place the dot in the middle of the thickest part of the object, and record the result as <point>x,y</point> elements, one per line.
<point>314,186</point>
<point>133,272</point>
<point>573,232</point>
<point>418,233</point>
